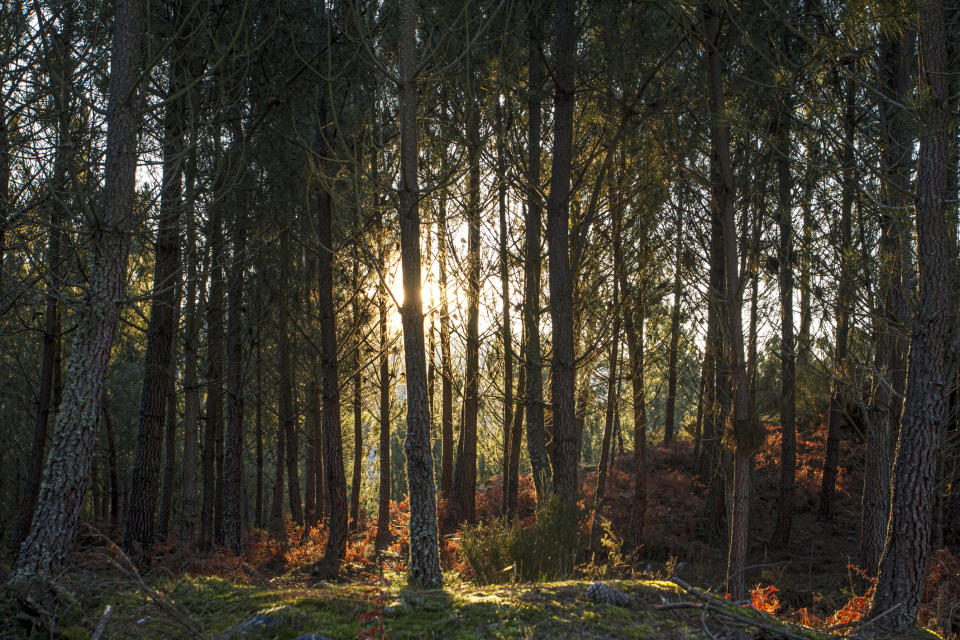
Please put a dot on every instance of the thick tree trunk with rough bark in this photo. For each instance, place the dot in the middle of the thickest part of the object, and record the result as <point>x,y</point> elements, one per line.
<point>883,414</point>
<point>64,484</point>
<point>424,566</point>
<point>902,565</point>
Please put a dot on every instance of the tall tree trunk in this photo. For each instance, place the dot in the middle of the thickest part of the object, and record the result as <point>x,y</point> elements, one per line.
<point>357,407</point>
<point>836,413</point>
<point>285,412</point>
<point>563,365</point>
<point>138,529</point>
<point>64,484</point>
<point>170,455</point>
<point>277,528</point>
<point>883,416</point>
<point>533,393</point>
<point>213,424</point>
<point>788,358</point>
<point>505,332</point>
<point>633,315</point>
<point>233,443</point>
<point>191,384</point>
<point>712,378</point>
<point>424,566</point>
<point>900,581</point>
<point>50,340</point>
<point>258,421</point>
<point>383,502</point>
<point>329,565</point>
<point>112,467</point>
<point>673,356</point>
<point>516,436</point>
<point>745,430</point>
<point>603,467</point>
<point>465,470</point>
<point>446,360</point>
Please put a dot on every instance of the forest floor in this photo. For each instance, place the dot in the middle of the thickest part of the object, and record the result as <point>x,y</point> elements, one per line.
<point>801,590</point>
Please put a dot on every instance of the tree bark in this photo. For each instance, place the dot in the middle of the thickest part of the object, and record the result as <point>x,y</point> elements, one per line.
<point>563,365</point>
<point>745,432</point>
<point>329,564</point>
<point>383,502</point>
<point>465,470</point>
<point>883,415</point>
<point>64,484</point>
<point>424,565</point>
<point>673,355</point>
<point>902,565</point>
<point>533,393</point>
<point>788,357</point>
<point>140,519</point>
<point>50,339</point>
<point>446,361</point>
<point>506,336</point>
<point>233,443</point>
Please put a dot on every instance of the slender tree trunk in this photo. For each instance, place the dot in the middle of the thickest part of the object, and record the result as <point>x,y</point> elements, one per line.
<point>446,361</point>
<point>788,358</point>
<point>276,506</point>
<point>603,467</point>
<point>424,566</point>
<point>64,484</point>
<point>112,468</point>
<point>138,529</point>
<point>902,565</point>
<point>745,432</point>
<point>516,436</point>
<point>191,384</point>
<point>505,331</point>
<point>233,443</point>
<point>465,471</point>
<point>672,357</point>
<point>563,364</point>
<point>170,455</point>
<point>836,413</point>
<point>50,340</point>
<point>285,412</point>
<point>329,565</point>
<point>214,406</point>
<point>633,328</point>
<point>258,503</point>
<point>383,503</point>
<point>357,406</point>
<point>533,393</point>
<point>883,414</point>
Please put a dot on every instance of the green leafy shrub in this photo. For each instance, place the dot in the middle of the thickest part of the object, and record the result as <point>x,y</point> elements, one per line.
<point>547,550</point>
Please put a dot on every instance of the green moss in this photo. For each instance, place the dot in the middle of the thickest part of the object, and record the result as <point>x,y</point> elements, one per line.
<point>195,607</point>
